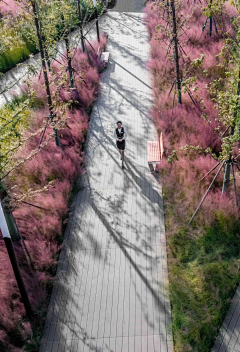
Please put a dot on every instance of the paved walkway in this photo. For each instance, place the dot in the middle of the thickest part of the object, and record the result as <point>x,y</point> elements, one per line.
<point>228,339</point>
<point>11,82</point>
<point>129,5</point>
<point>111,288</point>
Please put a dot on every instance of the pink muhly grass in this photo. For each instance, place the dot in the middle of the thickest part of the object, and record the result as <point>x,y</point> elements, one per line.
<point>184,125</point>
<point>11,7</point>
<point>41,227</point>
<point>182,183</point>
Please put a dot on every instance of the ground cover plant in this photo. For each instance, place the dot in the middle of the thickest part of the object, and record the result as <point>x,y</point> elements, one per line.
<point>203,258</point>
<point>17,32</point>
<point>39,179</point>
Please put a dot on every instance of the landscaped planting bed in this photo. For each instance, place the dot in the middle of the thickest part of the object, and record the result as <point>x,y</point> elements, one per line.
<point>41,187</point>
<point>17,30</point>
<point>203,258</point>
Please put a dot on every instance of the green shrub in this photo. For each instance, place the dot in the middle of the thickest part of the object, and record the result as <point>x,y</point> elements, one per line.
<point>15,118</point>
<point>10,58</point>
<point>204,277</point>
<point>22,37</point>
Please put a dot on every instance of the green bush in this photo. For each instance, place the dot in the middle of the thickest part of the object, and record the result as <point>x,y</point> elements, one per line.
<point>14,46</point>
<point>203,279</point>
<point>23,40</point>
<point>10,58</point>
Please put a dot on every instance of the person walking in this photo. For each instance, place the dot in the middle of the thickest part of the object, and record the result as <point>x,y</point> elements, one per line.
<point>120,136</point>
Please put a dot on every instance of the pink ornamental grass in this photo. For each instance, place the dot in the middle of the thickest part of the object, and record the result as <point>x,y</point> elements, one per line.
<point>10,7</point>
<point>184,125</point>
<point>183,190</point>
<point>42,225</point>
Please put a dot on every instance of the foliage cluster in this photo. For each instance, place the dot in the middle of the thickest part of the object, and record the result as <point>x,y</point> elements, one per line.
<point>17,31</point>
<point>204,258</point>
<point>40,185</point>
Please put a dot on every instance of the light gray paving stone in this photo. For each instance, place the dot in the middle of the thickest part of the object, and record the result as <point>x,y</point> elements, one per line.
<point>48,346</point>
<point>79,304</point>
<point>145,309</point>
<point>164,347</point>
<point>145,344</point>
<point>97,303</point>
<point>138,303</point>
<point>97,276</point>
<point>125,343</point>
<point>43,345</point>
<point>102,313</point>
<point>222,348</point>
<point>105,346</point>
<point>150,343</point>
<point>112,344</point>
<point>126,305</point>
<point>131,343</point>
<point>230,328</point>
<point>132,297</point>
<point>62,346</point>
<point>109,297</point>
<point>115,296</point>
<point>100,289</point>
<point>138,343</point>
<point>119,344</point>
<point>170,344</point>
<point>160,344</point>
<point>78,346</point>
<point>74,345</point>
<point>121,297</point>
<point>55,346</point>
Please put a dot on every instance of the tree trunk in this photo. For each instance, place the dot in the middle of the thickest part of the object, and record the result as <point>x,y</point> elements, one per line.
<point>9,216</point>
<point>49,98</point>
<point>69,59</point>
<point>210,22</point>
<point>228,164</point>
<point>80,24</point>
<point>4,232</point>
<point>238,108</point>
<point>176,55</point>
<point>210,26</point>
<point>226,176</point>
<point>97,26</point>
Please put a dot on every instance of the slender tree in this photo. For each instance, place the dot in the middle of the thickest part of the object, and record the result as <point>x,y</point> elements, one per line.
<point>49,98</point>
<point>176,53</point>
<point>80,24</point>
<point>69,59</point>
<point>171,27</point>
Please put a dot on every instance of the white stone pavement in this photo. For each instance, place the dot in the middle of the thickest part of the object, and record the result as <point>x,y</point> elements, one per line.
<point>111,290</point>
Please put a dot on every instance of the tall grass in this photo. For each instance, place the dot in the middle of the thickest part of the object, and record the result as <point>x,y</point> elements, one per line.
<point>16,44</point>
<point>204,258</point>
<point>14,48</point>
<point>42,227</point>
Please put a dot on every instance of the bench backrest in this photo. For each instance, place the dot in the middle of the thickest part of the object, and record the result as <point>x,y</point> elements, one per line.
<point>155,150</point>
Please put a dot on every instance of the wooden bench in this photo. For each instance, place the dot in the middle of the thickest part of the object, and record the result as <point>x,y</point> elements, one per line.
<point>104,57</point>
<point>155,152</point>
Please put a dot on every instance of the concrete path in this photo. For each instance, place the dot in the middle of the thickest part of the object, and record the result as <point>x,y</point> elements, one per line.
<point>12,82</point>
<point>228,339</point>
<point>111,287</point>
<point>129,5</point>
